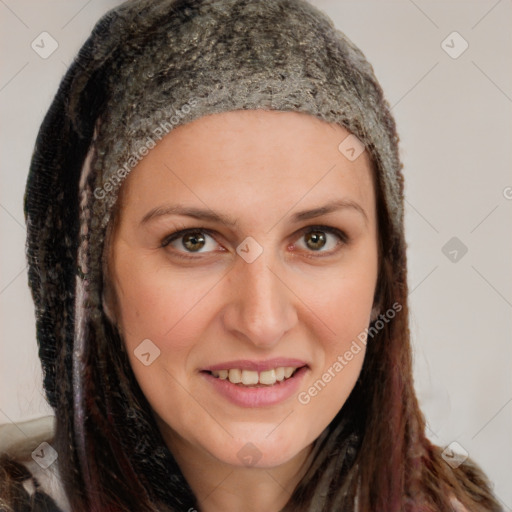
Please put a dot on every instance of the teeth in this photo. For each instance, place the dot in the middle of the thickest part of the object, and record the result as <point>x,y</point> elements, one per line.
<point>235,376</point>
<point>223,374</point>
<point>268,377</point>
<point>288,372</point>
<point>249,378</point>
<point>253,378</point>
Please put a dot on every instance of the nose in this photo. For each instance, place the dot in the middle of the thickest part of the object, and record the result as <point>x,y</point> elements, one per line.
<point>261,306</point>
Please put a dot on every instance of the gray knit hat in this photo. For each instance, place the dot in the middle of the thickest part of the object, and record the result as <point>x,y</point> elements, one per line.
<point>149,66</point>
<point>230,55</point>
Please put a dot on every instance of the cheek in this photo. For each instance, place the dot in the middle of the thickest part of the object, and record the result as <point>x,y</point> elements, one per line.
<point>343,306</point>
<point>167,307</point>
<point>343,300</point>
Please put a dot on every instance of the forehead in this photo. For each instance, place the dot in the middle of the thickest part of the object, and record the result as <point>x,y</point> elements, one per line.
<point>251,161</point>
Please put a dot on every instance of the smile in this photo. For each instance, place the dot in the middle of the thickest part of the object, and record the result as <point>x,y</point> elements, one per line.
<point>256,384</point>
<point>254,378</point>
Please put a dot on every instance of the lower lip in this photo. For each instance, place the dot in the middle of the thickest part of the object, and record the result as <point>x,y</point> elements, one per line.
<point>257,396</point>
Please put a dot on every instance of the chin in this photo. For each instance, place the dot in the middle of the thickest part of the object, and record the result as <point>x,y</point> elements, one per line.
<point>262,447</point>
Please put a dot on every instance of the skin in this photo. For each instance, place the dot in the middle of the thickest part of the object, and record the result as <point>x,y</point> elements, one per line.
<point>298,299</point>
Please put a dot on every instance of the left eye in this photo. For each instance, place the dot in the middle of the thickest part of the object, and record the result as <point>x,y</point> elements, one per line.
<point>317,238</point>
<point>199,240</point>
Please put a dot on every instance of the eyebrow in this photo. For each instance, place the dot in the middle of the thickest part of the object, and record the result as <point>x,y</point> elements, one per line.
<point>210,215</point>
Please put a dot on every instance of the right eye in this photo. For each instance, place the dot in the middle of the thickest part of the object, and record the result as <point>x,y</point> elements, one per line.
<point>191,241</point>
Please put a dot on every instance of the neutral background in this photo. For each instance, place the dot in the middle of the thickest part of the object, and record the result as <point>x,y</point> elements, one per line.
<point>454,119</point>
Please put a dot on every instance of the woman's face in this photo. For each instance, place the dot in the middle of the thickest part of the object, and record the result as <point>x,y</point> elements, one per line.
<point>260,281</point>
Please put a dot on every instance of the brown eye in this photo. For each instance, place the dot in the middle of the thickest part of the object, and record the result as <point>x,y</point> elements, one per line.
<point>315,240</point>
<point>193,241</point>
<point>190,241</point>
<point>323,240</point>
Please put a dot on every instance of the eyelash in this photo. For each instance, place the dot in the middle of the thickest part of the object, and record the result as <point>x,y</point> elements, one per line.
<point>344,239</point>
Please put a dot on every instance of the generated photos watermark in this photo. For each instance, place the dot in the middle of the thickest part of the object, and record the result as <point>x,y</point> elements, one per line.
<point>149,143</point>
<point>304,397</point>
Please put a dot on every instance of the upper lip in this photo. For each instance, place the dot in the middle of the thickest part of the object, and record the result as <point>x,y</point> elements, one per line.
<point>259,366</point>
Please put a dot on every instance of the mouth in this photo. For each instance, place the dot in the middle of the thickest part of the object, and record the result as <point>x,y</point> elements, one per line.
<point>255,379</point>
<point>252,384</point>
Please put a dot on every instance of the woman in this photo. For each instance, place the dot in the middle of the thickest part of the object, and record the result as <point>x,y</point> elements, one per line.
<point>217,258</point>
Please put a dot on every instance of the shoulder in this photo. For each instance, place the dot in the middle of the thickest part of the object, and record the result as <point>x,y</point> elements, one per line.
<point>29,473</point>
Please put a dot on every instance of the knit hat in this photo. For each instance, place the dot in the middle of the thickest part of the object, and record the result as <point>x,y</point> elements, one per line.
<point>149,66</point>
